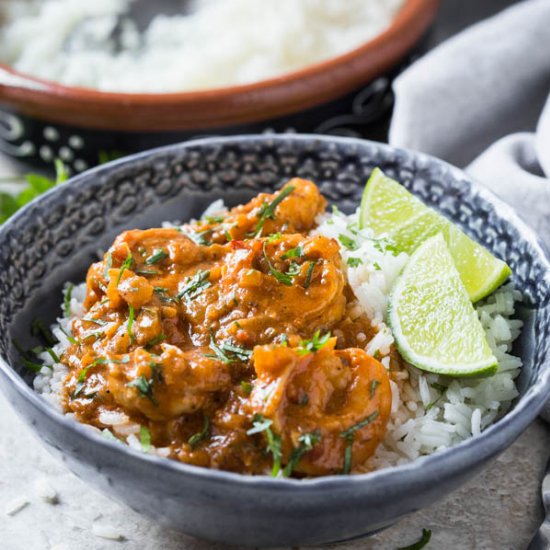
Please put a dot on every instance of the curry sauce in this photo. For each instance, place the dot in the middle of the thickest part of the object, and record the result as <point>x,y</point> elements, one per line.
<point>230,341</point>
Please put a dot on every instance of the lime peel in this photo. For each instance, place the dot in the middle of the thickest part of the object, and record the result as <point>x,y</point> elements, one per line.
<point>434,323</point>
<point>389,209</point>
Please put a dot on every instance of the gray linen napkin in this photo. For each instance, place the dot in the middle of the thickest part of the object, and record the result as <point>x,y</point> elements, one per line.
<point>482,93</point>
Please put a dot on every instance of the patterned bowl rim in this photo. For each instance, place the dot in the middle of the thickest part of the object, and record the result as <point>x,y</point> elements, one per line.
<point>414,474</point>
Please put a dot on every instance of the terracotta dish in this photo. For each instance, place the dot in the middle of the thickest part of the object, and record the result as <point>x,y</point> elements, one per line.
<point>293,92</point>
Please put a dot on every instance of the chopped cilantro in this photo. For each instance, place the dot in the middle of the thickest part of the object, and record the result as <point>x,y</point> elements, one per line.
<point>306,443</point>
<point>67,300</point>
<point>199,237</point>
<point>441,389</point>
<point>80,381</point>
<point>350,432</point>
<point>213,219</point>
<point>315,344</point>
<point>53,355</point>
<point>144,386</point>
<point>354,262</point>
<point>126,265</point>
<point>69,336</point>
<point>373,385</point>
<point>424,540</point>
<point>283,278</point>
<point>385,245</point>
<point>156,340</point>
<point>147,272</point>
<point>347,242</point>
<point>247,387</point>
<point>145,439</point>
<point>31,365</point>
<point>194,440</point>
<point>297,252</point>
<point>274,237</point>
<point>131,316</point>
<point>390,247</point>
<point>25,357</point>
<point>349,436</point>
<point>162,293</point>
<point>267,210</point>
<point>40,329</point>
<point>309,274</point>
<point>353,227</point>
<point>36,185</point>
<point>227,352</point>
<point>348,453</point>
<point>157,256</point>
<point>274,447</point>
<point>195,285</point>
<point>294,269</point>
<point>376,266</point>
<point>260,424</point>
<point>263,425</point>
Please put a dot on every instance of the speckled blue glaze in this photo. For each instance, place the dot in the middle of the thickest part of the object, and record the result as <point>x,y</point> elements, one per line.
<point>55,238</point>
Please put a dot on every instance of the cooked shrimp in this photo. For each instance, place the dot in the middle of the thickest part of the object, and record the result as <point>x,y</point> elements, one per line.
<point>338,399</point>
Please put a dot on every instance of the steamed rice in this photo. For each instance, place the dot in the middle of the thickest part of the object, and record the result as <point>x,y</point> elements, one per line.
<point>429,412</point>
<point>223,43</point>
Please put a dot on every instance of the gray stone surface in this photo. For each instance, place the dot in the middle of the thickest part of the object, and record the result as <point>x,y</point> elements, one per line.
<point>500,509</point>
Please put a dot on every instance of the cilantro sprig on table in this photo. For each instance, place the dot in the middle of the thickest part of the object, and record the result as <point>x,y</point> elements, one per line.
<point>36,185</point>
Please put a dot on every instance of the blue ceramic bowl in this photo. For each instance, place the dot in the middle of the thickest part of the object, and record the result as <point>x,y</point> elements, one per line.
<point>56,237</point>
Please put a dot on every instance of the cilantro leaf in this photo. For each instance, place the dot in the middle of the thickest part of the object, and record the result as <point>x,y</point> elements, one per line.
<point>194,440</point>
<point>145,439</point>
<point>126,265</point>
<point>227,352</point>
<point>350,432</point>
<point>157,256</point>
<point>195,285</point>
<point>267,210</point>
<point>260,424</point>
<point>36,185</point>
<point>315,344</point>
<point>67,300</point>
<point>306,443</point>
<point>354,262</point>
<point>297,252</point>
<point>424,540</point>
<point>348,242</point>
<point>284,278</point>
<point>309,274</point>
<point>349,436</point>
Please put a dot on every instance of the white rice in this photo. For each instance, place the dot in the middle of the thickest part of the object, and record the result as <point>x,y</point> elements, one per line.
<point>222,43</point>
<point>424,419</point>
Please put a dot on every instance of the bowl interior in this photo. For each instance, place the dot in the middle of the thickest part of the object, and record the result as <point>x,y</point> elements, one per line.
<point>57,237</point>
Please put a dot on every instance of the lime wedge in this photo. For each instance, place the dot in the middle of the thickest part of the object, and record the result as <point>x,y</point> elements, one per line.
<point>388,208</point>
<point>433,321</point>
